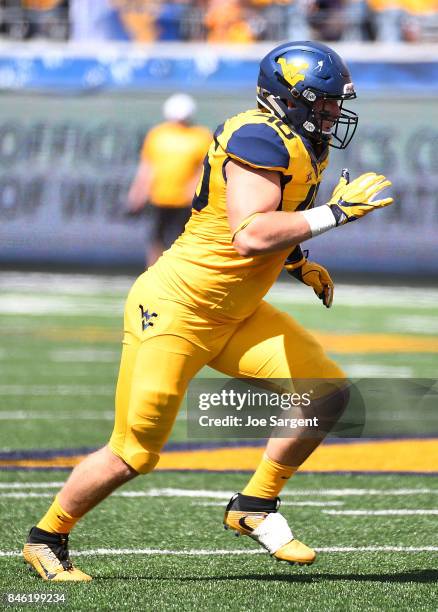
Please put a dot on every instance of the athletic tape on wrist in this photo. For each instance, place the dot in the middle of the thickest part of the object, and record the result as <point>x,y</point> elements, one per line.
<point>320,219</point>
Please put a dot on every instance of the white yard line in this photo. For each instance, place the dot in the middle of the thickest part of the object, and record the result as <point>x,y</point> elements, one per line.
<point>71,284</point>
<point>23,495</point>
<point>283,503</point>
<point>47,288</point>
<point>374,370</point>
<point>342,549</point>
<point>172,492</point>
<point>205,493</point>
<point>84,355</point>
<point>169,492</point>
<point>387,512</point>
<point>358,295</point>
<point>36,415</point>
<point>49,390</point>
<point>30,485</point>
<point>365,492</point>
<point>24,303</point>
<point>414,324</point>
<point>224,552</point>
<point>140,494</point>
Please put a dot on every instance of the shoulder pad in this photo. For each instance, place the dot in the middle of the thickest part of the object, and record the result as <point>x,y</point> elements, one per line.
<point>258,145</point>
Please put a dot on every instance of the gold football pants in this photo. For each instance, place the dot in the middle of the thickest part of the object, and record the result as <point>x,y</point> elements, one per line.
<point>166,343</point>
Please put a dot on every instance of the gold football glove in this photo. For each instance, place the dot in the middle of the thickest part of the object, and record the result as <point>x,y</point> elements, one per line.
<point>350,201</point>
<point>311,274</point>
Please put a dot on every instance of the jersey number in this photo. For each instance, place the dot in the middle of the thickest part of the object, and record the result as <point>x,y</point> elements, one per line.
<point>280,125</point>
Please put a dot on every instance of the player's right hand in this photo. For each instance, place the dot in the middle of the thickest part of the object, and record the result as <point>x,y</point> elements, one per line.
<point>350,201</point>
<point>316,276</point>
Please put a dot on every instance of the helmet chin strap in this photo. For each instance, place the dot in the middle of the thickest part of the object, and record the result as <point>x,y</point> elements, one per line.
<point>270,103</point>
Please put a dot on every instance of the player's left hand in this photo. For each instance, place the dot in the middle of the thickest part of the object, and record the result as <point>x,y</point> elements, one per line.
<point>351,201</point>
<point>316,276</point>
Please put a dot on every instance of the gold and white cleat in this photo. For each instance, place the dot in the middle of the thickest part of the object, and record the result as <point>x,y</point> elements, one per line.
<point>260,520</point>
<point>47,553</point>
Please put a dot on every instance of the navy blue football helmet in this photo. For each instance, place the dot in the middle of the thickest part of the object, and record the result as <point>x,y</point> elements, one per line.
<point>294,76</point>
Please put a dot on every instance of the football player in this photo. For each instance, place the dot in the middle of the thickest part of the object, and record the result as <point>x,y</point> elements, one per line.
<point>167,174</point>
<point>202,302</point>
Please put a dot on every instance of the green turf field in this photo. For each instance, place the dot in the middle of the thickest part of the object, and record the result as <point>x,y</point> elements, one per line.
<point>158,543</point>
<point>143,576</point>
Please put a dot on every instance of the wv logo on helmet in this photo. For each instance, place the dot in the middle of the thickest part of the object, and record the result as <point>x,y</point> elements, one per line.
<point>291,72</point>
<point>146,317</point>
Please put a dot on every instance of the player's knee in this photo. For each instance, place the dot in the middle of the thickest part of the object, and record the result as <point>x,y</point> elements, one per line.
<point>116,464</point>
<point>133,455</point>
<point>146,438</point>
<point>147,428</point>
<point>142,460</point>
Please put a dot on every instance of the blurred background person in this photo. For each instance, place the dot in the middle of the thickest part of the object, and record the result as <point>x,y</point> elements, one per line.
<point>26,19</point>
<point>298,27</point>
<point>99,20</point>
<point>172,19</point>
<point>282,19</point>
<point>327,19</point>
<point>169,170</point>
<point>226,21</point>
<point>46,19</point>
<point>387,16</point>
<point>419,20</point>
<point>142,21</point>
<point>356,18</point>
<point>95,20</point>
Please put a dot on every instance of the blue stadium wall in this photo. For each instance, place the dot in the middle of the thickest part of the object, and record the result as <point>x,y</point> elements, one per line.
<point>72,123</point>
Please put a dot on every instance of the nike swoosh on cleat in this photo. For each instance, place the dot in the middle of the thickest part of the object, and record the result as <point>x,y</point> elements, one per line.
<point>243,524</point>
<point>48,574</point>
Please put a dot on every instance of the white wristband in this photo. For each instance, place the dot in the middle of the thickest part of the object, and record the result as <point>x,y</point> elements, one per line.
<point>320,219</point>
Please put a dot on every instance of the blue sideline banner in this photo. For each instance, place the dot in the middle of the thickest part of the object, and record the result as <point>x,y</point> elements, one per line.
<point>49,70</point>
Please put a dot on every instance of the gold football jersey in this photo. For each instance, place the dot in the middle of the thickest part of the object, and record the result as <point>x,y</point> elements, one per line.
<point>175,152</point>
<point>202,267</point>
